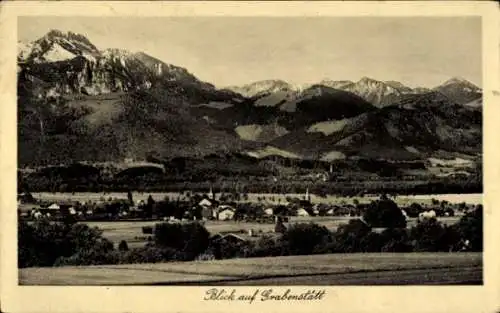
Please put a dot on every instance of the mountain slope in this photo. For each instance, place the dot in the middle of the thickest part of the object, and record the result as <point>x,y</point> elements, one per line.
<point>87,104</point>
<point>418,126</point>
<point>70,64</point>
<point>316,103</point>
<point>79,103</point>
<point>262,87</point>
<point>460,90</point>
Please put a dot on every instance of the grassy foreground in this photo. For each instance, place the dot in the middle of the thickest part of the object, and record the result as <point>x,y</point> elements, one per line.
<point>251,268</point>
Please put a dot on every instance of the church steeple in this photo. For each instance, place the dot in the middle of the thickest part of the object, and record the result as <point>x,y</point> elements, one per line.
<point>211,194</point>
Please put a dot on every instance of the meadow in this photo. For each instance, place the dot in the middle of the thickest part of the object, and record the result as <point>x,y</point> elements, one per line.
<point>131,231</point>
<point>254,268</point>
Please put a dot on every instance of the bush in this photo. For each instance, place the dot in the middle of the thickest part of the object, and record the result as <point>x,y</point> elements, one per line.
<point>350,237</point>
<point>41,243</point>
<point>89,257</point>
<point>395,240</point>
<point>384,213</point>
<point>267,246</point>
<point>123,246</point>
<point>191,239</point>
<point>371,242</point>
<point>148,254</point>
<point>470,227</point>
<point>430,235</point>
<point>46,243</point>
<point>228,249</point>
<point>304,238</point>
<point>414,210</point>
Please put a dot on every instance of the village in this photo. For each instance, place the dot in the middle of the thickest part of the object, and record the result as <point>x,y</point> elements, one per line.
<point>227,216</point>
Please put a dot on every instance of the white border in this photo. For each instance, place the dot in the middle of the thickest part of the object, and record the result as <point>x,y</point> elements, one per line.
<point>189,299</point>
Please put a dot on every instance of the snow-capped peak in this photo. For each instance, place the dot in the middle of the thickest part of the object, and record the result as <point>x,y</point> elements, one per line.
<point>57,46</point>
<point>57,53</point>
<point>23,50</point>
<point>263,86</point>
<point>455,80</point>
<point>367,85</point>
<point>336,84</point>
<point>465,84</point>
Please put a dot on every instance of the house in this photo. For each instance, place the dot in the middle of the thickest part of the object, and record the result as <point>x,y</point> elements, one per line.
<point>225,213</point>
<point>302,212</point>
<point>206,203</point>
<point>207,213</point>
<point>54,206</point>
<point>234,238</point>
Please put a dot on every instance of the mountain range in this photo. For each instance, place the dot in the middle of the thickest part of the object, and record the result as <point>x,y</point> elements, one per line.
<point>79,103</point>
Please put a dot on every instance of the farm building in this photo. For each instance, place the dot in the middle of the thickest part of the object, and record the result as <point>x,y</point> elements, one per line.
<point>207,203</point>
<point>225,212</point>
<point>207,213</point>
<point>54,206</point>
<point>302,212</point>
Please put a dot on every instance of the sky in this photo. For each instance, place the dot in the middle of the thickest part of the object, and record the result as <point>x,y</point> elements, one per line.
<point>225,51</point>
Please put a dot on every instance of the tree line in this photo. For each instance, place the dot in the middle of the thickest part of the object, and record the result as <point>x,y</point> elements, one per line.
<point>47,243</point>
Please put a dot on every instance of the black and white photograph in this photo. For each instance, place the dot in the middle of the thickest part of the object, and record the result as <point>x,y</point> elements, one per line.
<point>254,156</point>
<point>270,151</point>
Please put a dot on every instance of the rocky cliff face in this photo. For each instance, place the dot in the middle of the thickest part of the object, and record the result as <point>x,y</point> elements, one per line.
<point>69,63</point>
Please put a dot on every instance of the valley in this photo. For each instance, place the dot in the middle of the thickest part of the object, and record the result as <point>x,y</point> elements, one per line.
<point>115,105</point>
<point>138,171</point>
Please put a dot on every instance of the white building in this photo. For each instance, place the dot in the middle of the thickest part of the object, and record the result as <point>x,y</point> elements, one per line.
<point>225,214</point>
<point>302,212</point>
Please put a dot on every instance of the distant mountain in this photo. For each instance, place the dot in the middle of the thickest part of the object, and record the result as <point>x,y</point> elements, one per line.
<point>416,127</point>
<point>299,109</point>
<point>460,90</point>
<point>263,87</point>
<point>69,63</point>
<point>399,86</point>
<point>376,92</point>
<point>336,84</point>
<point>418,90</point>
<point>76,102</point>
<point>79,103</point>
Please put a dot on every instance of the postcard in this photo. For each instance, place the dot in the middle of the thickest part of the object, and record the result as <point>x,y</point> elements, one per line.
<point>226,156</point>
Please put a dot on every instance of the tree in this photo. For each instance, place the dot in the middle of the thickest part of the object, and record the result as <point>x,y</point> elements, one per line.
<point>384,213</point>
<point>189,239</point>
<point>279,227</point>
<point>470,227</point>
<point>303,238</point>
<point>395,240</point>
<point>414,210</point>
<point>45,243</point>
<point>123,246</point>
<point>130,198</point>
<point>349,237</point>
<point>430,235</point>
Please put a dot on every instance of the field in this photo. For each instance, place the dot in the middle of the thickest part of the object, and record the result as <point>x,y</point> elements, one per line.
<point>131,231</point>
<point>128,231</point>
<point>368,268</point>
